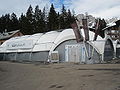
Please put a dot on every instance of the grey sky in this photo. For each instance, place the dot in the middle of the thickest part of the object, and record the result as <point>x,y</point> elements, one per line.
<point>20,6</point>
<point>99,8</point>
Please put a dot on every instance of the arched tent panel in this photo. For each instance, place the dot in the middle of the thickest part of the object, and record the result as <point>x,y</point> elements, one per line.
<point>1,56</point>
<point>92,55</point>
<point>61,48</point>
<point>102,47</point>
<point>81,52</point>
<point>23,56</point>
<point>43,46</point>
<point>46,41</point>
<point>32,56</point>
<point>108,50</point>
<point>20,44</point>
<point>65,35</point>
<point>35,37</point>
<point>41,56</point>
<point>10,56</point>
<point>48,37</point>
<point>99,45</point>
<point>16,56</point>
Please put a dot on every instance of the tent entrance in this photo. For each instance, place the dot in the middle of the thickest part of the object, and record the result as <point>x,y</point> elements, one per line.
<point>75,53</point>
<point>108,51</point>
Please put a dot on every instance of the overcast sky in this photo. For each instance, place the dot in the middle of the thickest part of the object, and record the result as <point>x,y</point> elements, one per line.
<point>98,8</point>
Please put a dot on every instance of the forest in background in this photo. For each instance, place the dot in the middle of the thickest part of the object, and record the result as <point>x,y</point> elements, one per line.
<point>37,20</point>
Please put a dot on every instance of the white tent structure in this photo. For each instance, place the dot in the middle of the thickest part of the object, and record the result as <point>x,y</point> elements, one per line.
<point>33,47</point>
<point>38,47</point>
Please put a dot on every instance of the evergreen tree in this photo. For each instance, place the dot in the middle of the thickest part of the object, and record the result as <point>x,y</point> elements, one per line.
<point>23,23</point>
<point>70,19</point>
<point>39,20</point>
<point>2,24</point>
<point>63,10</point>
<point>61,22</point>
<point>63,18</point>
<point>30,20</point>
<point>7,23</point>
<point>45,17</point>
<point>14,22</point>
<point>52,19</point>
<point>37,16</point>
<point>45,13</point>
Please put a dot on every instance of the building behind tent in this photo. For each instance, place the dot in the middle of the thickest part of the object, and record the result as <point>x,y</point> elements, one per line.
<point>7,35</point>
<point>113,30</point>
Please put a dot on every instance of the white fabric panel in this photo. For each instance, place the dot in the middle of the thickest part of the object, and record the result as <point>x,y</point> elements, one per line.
<point>26,44</point>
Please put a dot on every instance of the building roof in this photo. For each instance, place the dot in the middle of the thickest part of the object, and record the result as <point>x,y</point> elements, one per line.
<point>112,24</point>
<point>7,35</point>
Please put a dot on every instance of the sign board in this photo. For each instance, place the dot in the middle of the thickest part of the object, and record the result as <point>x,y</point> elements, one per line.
<point>26,44</point>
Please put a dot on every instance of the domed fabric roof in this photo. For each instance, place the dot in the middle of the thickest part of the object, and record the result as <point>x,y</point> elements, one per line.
<point>47,41</point>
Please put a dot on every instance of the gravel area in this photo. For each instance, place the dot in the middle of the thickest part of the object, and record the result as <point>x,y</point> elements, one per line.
<point>59,76</point>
